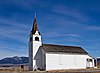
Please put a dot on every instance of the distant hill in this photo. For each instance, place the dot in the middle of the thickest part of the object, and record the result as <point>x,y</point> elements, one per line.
<point>14,60</point>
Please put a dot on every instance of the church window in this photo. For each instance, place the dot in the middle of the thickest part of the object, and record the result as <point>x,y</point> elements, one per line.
<point>36,38</point>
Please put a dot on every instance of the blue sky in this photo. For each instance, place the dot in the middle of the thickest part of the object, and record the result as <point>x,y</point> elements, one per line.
<point>65,22</point>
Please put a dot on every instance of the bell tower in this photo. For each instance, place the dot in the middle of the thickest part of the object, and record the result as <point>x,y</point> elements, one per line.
<point>34,44</point>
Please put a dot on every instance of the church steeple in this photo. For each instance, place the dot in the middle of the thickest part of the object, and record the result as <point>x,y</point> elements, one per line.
<point>34,43</point>
<point>35,27</point>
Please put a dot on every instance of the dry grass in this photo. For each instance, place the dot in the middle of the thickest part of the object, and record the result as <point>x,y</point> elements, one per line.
<point>25,70</point>
<point>12,69</point>
<point>96,70</point>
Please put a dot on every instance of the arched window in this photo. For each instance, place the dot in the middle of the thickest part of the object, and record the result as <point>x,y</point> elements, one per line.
<point>36,38</point>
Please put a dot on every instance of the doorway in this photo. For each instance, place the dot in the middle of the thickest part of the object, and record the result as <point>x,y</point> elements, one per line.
<point>89,63</point>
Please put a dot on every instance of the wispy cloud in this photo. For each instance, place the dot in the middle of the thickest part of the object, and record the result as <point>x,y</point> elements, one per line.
<point>25,4</point>
<point>61,34</point>
<point>59,23</point>
<point>13,23</point>
<point>70,12</point>
<point>9,53</point>
<point>93,28</point>
<point>13,38</point>
<point>74,35</point>
<point>7,50</point>
<point>13,30</point>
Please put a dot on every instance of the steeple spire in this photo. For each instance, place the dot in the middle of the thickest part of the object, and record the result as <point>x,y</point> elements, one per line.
<point>35,27</point>
<point>35,14</point>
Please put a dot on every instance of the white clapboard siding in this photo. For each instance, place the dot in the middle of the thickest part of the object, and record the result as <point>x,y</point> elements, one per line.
<point>65,61</point>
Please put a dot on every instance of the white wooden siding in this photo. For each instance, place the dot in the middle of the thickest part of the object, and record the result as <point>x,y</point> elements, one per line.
<point>33,48</point>
<point>65,61</point>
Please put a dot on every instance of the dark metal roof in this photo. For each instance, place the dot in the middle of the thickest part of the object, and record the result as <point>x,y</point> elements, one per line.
<point>49,48</point>
<point>35,27</point>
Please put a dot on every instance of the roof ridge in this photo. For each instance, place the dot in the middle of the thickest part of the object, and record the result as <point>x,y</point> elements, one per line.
<point>61,45</point>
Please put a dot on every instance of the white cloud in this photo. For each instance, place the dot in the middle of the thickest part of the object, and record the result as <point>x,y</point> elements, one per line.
<point>93,28</point>
<point>14,30</point>
<point>69,12</point>
<point>9,53</point>
<point>25,4</point>
<point>13,23</point>
<point>74,35</point>
<point>11,50</point>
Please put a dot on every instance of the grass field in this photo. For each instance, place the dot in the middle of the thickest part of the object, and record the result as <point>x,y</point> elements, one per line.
<point>53,71</point>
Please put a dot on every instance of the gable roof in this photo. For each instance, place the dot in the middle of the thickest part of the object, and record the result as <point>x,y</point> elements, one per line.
<point>50,48</point>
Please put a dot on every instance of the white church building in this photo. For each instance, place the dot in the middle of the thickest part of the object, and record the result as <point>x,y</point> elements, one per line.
<point>55,57</point>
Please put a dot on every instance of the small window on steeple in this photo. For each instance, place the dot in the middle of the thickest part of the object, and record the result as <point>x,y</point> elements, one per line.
<point>36,38</point>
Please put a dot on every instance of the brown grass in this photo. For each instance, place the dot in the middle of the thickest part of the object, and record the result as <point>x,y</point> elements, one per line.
<point>25,70</point>
<point>96,70</point>
<point>12,69</point>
